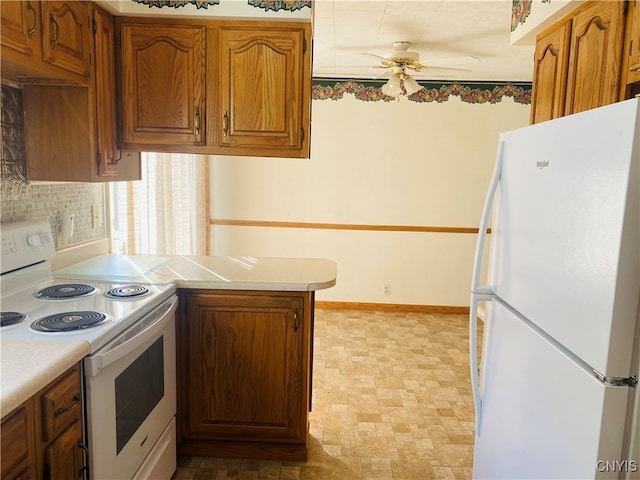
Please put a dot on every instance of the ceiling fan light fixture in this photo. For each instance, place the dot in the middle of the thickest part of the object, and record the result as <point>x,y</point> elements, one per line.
<point>411,86</point>
<point>393,87</point>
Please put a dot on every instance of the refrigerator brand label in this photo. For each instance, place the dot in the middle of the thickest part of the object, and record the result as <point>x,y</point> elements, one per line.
<point>542,164</point>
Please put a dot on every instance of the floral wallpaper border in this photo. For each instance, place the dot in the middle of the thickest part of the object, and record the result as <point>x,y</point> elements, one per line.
<point>472,92</point>
<point>520,10</point>
<point>274,5</point>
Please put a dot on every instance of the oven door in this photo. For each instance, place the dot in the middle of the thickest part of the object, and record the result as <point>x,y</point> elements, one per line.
<point>131,396</point>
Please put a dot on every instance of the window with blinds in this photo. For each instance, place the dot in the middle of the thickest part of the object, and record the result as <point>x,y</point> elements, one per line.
<point>165,213</point>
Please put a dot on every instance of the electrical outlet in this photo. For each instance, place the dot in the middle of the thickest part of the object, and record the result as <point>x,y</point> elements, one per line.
<point>9,245</point>
<point>387,289</point>
<point>95,216</point>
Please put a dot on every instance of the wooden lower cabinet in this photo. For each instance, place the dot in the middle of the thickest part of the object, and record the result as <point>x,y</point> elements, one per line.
<point>43,437</point>
<point>244,373</point>
<point>18,446</point>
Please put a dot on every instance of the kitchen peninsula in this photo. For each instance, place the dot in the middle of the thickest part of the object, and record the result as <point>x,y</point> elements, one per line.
<point>244,329</point>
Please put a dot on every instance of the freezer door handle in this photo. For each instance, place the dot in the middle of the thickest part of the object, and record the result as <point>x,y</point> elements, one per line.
<point>479,292</point>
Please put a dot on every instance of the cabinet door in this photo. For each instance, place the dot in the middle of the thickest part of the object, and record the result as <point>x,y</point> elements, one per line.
<point>163,79</point>
<point>17,444</point>
<point>263,95</point>
<point>248,367</point>
<point>595,56</point>
<point>64,457</point>
<point>550,64</point>
<point>21,26</point>
<point>59,133</point>
<point>631,59</point>
<point>105,93</point>
<point>67,36</point>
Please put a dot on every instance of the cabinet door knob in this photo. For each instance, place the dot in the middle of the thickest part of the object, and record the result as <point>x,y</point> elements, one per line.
<point>635,67</point>
<point>296,321</point>
<point>225,123</point>
<point>197,121</point>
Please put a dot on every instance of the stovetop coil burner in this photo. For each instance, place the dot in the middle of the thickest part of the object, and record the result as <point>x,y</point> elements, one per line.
<point>69,321</point>
<point>65,291</point>
<point>11,318</point>
<point>127,291</point>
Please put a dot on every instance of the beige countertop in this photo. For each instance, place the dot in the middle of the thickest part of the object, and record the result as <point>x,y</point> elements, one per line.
<point>29,365</point>
<point>220,272</point>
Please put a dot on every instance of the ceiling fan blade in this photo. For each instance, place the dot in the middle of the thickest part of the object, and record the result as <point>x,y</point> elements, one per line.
<point>457,60</point>
<point>375,56</point>
<point>433,67</point>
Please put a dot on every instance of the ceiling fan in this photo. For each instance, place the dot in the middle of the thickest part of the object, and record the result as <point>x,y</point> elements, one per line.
<point>398,63</point>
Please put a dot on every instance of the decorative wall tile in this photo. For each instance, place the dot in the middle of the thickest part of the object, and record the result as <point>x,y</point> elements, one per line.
<point>13,166</point>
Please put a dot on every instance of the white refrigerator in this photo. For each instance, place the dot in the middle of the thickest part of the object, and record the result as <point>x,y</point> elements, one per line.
<point>555,386</point>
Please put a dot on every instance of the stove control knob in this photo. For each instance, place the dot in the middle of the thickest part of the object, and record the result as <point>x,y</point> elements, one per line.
<point>34,240</point>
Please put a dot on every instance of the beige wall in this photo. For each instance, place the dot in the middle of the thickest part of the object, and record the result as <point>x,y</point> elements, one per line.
<point>373,163</point>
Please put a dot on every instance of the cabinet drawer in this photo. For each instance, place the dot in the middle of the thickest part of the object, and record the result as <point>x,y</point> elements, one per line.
<point>61,404</point>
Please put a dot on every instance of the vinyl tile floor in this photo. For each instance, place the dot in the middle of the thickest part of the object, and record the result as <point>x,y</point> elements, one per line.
<point>391,400</point>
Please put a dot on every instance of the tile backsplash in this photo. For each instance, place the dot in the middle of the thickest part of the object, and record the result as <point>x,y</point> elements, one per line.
<point>21,200</point>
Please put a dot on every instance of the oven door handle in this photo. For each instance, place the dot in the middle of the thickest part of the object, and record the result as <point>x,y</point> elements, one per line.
<point>145,331</point>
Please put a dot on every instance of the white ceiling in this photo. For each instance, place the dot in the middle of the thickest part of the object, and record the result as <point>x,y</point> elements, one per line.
<point>444,32</point>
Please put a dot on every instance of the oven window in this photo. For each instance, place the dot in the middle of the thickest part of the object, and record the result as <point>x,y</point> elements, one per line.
<point>138,390</point>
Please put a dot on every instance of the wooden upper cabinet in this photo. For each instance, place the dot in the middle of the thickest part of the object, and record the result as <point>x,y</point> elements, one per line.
<point>66,36</point>
<point>21,26</point>
<point>70,129</point>
<point>595,56</point>
<point>578,61</point>
<point>226,87</point>
<point>631,56</point>
<point>550,65</point>
<point>263,87</point>
<point>49,39</point>
<point>163,82</point>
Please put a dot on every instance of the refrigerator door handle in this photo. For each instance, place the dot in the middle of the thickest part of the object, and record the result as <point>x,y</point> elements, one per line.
<point>481,292</point>
<point>484,221</point>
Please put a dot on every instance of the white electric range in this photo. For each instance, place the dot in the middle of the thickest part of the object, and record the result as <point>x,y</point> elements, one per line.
<point>129,375</point>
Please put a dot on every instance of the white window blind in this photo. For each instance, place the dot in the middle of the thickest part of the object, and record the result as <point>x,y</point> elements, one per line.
<point>165,213</point>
